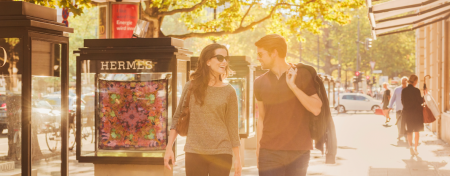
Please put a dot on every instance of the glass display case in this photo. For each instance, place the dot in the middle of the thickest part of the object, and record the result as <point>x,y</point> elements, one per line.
<point>34,71</point>
<point>129,90</point>
<point>242,81</point>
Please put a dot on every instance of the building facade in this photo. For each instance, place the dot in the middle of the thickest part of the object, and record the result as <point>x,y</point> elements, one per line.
<point>431,22</point>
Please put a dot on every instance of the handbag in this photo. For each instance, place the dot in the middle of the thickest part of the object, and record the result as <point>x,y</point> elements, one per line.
<point>428,116</point>
<point>183,121</point>
<point>379,112</point>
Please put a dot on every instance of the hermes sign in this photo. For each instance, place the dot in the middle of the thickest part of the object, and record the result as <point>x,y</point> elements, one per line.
<point>126,65</point>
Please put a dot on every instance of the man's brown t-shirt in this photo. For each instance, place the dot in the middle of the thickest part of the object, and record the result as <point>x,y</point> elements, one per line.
<point>286,122</point>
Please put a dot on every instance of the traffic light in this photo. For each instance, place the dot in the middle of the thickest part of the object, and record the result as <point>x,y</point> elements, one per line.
<point>374,80</point>
<point>357,73</point>
<point>368,77</point>
<point>355,79</point>
<point>368,43</point>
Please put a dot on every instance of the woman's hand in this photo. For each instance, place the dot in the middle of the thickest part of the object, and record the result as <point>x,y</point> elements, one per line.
<point>167,157</point>
<point>237,167</point>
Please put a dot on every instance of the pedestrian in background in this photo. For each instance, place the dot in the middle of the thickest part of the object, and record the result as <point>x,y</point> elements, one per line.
<point>412,112</point>
<point>397,101</point>
<point>213,135</point>
<point>285,97</point>
<point>386,99</point>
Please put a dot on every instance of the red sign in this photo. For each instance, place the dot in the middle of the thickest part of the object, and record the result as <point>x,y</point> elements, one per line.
<point>124,19</point>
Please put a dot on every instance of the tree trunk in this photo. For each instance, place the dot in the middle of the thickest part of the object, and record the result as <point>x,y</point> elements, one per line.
<point>150,14</point>
<point>328,66</point>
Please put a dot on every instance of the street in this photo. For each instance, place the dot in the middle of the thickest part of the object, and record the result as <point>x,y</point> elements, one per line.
<point>368,147</point>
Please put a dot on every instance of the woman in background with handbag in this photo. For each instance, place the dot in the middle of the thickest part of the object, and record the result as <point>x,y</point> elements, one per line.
<point>412,112</point>
<point>209,118</point>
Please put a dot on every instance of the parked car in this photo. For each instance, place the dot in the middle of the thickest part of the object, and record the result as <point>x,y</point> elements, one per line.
<point>357,102</point>
<point>42,114</point>
<point>55,101</point>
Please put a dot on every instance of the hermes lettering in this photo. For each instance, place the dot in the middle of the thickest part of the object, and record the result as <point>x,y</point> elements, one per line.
<point>126,65</point>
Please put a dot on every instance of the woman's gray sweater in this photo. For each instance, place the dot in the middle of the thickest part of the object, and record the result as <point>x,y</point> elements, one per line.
<point>213,127</point>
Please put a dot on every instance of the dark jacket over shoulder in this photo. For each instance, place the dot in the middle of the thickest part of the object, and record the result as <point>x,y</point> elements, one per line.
<point>322,126</point>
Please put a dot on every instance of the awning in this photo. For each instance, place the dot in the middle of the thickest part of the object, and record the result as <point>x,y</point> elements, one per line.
<point>404,15</point>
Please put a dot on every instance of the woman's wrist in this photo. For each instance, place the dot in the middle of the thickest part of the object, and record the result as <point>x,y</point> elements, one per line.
<point>237,159</point>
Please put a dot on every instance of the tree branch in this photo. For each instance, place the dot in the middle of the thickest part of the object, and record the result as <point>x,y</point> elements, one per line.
<point>304,61</point>
<point>190,9</point>
<point>246,13</point>
<point>238,30</point>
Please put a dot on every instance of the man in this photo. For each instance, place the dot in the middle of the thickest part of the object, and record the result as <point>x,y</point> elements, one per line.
<point>284,97</point>
<point>386,98</point>
<point>397,100</point>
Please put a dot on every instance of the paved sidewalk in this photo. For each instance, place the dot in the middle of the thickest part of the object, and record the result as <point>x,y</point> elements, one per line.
<point>367,147</point>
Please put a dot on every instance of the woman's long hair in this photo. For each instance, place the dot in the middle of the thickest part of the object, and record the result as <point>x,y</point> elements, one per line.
<point>201,76</point>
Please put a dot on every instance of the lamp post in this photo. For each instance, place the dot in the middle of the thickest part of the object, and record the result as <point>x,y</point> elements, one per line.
<point>333,83</point>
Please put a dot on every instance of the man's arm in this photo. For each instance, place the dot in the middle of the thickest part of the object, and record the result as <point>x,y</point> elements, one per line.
<point>259,126</point>
<point>312,103</point>
<point>391,103</point>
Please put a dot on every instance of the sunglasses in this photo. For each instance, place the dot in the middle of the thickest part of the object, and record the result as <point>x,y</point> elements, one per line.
<point>220,58</point>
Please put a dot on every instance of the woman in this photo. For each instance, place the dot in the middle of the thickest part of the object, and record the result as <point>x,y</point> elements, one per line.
<point>213,135</point>
<point>412,112</point>
<point>386,99</point>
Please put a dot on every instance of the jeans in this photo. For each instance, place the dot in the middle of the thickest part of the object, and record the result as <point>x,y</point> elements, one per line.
<point>283,162</point>
<point>400,125</point>
<point>202,165</point>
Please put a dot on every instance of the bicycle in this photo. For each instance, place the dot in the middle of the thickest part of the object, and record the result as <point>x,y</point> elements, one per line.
<point>53,133</point>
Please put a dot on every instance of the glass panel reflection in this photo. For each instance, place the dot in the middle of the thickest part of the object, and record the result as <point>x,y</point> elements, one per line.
<point>46,104</point>
<point>239,84</point>
<point>10,105</point>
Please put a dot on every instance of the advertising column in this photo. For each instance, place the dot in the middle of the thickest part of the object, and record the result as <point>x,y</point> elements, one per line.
<point>124,19</point>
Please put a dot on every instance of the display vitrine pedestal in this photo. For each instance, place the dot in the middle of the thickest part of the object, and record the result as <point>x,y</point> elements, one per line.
<point>130,89</point>
<point>131,169</point>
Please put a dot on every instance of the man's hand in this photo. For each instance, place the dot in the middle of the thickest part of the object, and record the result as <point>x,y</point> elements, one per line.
<point>291,75</point>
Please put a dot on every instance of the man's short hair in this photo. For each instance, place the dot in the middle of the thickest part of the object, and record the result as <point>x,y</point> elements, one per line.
<point>385,83</point>
<point>273,42</point>
<point>404,77</point>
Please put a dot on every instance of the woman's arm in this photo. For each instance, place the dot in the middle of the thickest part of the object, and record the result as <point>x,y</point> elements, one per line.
<point>169,155</point>
<point>419,97</point>
<point>179,109</point>
<point>232,116</point>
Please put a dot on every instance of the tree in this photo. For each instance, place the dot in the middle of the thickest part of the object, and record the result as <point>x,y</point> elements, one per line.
<point>394,54</point>
<point>239,16</point>
<point>233,16</point>
<point>81,31</point>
